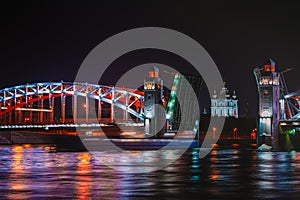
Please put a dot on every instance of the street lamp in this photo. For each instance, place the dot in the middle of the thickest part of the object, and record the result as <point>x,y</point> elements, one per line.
<point>214,132</point>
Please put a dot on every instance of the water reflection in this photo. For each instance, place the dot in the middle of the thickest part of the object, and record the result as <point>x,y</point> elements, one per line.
<point>275,172</point>
<point>214,173</point>
<point>17,179</point>
<point>84,176</point>
<point>137,161</point>
<point>34,172</point>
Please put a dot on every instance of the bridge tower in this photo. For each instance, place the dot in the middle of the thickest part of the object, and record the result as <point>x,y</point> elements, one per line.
<point>153,95</point>
<point>268,83</point>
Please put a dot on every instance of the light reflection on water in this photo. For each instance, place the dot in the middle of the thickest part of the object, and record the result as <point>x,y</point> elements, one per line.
<point>32,172</point>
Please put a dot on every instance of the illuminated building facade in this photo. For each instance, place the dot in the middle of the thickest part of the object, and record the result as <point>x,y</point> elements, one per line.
<point>224,107</point>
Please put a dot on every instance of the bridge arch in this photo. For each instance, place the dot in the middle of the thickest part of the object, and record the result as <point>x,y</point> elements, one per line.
<point>18,98</point>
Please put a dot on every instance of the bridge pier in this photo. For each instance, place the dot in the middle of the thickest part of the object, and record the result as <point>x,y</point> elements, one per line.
<point>153,87</point>
<point>268,83</point>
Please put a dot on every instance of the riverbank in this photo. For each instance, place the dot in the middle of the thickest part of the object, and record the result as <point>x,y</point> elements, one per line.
<point>70,141</point>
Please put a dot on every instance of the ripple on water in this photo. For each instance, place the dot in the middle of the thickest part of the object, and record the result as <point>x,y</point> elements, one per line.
<point>33,172</point>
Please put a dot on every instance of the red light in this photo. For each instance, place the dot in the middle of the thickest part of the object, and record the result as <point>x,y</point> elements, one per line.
<point>267,68</point>
<point>151,74</point>
<point>273,68</point>
<point>266,92</point>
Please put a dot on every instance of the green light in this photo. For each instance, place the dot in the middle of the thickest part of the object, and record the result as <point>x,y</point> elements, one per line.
<point>290,132</point>
<point>172,99</point>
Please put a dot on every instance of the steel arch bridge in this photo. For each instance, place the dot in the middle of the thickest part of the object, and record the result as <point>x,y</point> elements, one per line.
<point>40,98</point>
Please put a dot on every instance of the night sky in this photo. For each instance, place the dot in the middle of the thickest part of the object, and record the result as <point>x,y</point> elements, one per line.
<point>48,41</point>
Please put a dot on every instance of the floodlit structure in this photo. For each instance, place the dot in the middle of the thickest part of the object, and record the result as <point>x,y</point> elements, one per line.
<point>153,95</point>
<point>47,103</point>
<point>224,107</point>
<point>278,113</point>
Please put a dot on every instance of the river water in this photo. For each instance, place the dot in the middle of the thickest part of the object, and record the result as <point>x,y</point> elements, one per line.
<point>35,172</point>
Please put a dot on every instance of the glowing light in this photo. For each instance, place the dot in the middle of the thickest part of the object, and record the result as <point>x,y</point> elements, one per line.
<point>265,114</point>
<point>290,132</point>
<point>34,109</point>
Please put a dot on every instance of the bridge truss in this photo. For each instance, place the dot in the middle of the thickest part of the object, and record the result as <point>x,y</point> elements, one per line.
<point>24,103</point>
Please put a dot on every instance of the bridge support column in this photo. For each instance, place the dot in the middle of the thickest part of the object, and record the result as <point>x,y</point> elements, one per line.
<point>30,113</point>
<point>15,116</point>
<point>75,108</point>
<point>63,108</point>
<point>15,103</point>
<point>99,110</point>
<point>51,105</point>
<point>26,100</point>
<point>50,108</point>
<point>126,111</point>
<point>86,109</point>
<point>9,117</point>
<point>19,116</point>
<point>40,107</point>
<point>139,109</point>
<point>112,108</point>
<point>99,106</point>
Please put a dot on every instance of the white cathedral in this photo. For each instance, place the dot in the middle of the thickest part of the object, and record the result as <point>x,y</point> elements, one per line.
<point>225,107</point>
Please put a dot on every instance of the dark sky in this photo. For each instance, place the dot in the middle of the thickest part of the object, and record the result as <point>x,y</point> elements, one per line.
<point>45,41</point>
